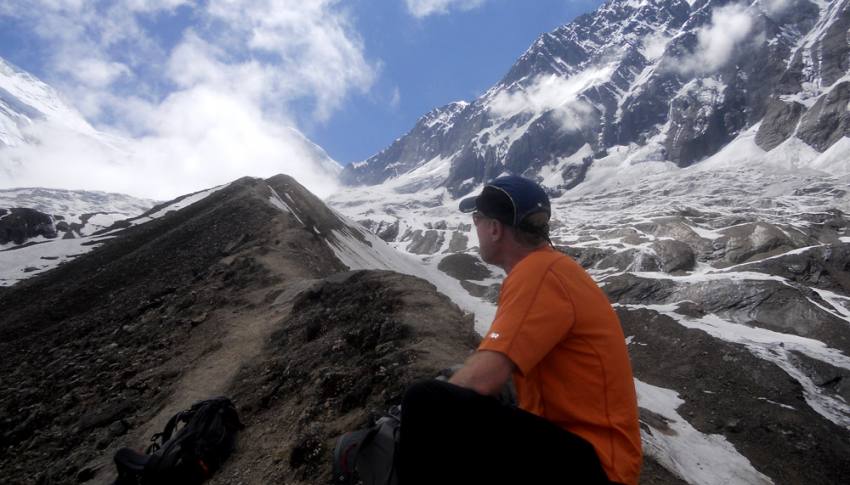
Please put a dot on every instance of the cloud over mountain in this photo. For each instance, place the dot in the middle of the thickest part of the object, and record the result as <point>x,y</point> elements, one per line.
<point>730,26</point>
<point>210,102</point>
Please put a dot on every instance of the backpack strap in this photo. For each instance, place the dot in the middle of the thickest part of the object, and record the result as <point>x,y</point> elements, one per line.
<point>158,438</point>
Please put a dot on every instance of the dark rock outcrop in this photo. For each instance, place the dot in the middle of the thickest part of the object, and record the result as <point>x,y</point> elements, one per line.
<point>826,267</point>
<point>828,120</point>
<point>700,124</point>
<point>20,224</point>
<point>778,124</point>
<point>427,242</point>
<point>763,303</point>
<point>464,266</point>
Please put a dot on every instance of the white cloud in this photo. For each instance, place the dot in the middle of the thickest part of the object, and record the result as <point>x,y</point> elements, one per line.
<point>155,5</point>
<point>395,99</point>
<point>654,44</point>
<point>198,138</point>
<point>95,72</point>
<point>229,112</point>
<point>776,7</point>
<point>716,42</point>
<point>554,94</point>
<point>424,8</point>
<point>314,47</point>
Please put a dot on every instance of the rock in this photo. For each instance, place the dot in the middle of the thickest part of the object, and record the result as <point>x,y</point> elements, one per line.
<point>767,304</point>
<point>733,425</point>
<point>388,232</point>
<point>428,243</point>
<point>118,428</point>
<point>587,256</point>
<point>464,266</point>
<point>674,256</point>
<point>199,319</point>
<point>22,224</point>
<point>778,124</point>
<point>699,124</point>
<point>106,413</point>
<point>676,228</point>
<point>458,243</point>
<point>86,474</point>
<point>826,267</point>
<point>828,120</point>
<point>631,260</point>
<point>628,288</point>
<point>755,240</point>
<point>489,293</point>
<point>834,49</point>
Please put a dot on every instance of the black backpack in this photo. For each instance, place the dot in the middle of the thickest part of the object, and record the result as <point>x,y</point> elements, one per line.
<point>191,455</point>
<point>368,456</point>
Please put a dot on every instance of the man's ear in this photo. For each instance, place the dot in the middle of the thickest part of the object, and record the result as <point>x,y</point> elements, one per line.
<point>497,231</point>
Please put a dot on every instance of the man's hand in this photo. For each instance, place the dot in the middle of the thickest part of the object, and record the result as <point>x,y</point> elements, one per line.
<point>485,372</point>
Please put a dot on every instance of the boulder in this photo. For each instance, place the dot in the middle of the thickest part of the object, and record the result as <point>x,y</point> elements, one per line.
<point>631,260</point>
<point>586,256</point>
<point>674,256</point>
<point>757,240</point>
<point>464,266</point>
<point>677,228</point>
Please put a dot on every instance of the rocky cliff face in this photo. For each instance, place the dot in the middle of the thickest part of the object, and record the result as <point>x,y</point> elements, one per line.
<point>673,81</point>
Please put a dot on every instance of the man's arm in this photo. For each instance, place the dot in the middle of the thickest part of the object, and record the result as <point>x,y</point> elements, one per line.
<point>485,372</point>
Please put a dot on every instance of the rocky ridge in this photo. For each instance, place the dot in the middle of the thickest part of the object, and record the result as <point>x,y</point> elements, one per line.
<point>237,294</point>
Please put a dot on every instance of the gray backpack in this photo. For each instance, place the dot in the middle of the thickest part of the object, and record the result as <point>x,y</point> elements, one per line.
<point>368,456</point>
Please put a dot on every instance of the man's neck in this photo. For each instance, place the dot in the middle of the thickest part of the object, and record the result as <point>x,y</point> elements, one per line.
<point>513,257</point>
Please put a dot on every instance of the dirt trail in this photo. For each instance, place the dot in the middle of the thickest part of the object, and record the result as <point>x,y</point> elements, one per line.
<point>231,339</point>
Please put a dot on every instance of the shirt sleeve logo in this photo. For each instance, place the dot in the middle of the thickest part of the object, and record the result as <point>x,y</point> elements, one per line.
<point>494,335</point>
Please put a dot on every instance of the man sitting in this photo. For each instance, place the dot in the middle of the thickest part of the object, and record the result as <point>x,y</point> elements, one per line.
<point>556,334</point>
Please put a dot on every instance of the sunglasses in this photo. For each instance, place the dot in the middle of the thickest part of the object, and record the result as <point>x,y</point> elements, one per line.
<point>479,216</point>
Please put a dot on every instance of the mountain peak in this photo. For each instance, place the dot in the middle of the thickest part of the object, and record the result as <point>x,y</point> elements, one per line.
<point>666,77</point>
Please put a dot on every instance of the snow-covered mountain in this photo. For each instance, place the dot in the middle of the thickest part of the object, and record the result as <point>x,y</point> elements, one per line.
<point>31,110</point>
<point>24,99</point>
<point>665,79</point>
<point>698,159</point>
<point>41,228</point>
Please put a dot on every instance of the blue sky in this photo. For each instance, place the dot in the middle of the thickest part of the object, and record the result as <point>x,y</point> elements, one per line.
<point>433,61</point>
<point>226,87</point>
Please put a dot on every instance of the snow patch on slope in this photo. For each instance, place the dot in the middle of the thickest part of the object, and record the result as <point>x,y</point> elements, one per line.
<point>703,459</point>
<point>357,248</point>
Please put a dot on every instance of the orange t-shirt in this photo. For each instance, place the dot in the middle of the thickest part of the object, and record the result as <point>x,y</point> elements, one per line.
<point>573,368</point>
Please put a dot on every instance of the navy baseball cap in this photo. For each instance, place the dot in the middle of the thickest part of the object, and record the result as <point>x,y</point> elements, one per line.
<point>509,199</point>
